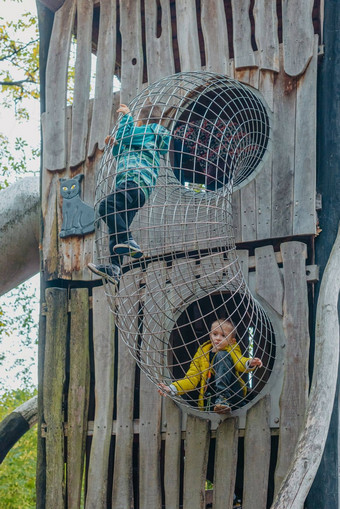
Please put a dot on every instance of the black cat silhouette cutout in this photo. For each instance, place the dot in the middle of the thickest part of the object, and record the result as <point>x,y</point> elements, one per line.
<point>78,217</point>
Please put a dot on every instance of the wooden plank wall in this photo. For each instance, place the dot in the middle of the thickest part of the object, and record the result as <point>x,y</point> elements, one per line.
<point>181,479</point>
<point>280,201</point>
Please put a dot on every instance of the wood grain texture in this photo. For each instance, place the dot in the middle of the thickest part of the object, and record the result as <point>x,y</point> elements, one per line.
<point>159,54</point>
<point>215,33</point>
<point>187,35</point>
<point>55,132</point>
<point>243,51</point>
<point>310,447</point>
<point>293,398</point>
<point>297,34</point>
<point>196,456</point>
<point>78,394</point>
<point>172,457</point>
<point>264,177</point>
<point>80,107</point>
<point>283,155</point>
<point>106,57</point>
<point>304,220</point>
<point>122,489</point>
<point>132,49</point>
<point>226,454</point>
<point>53,384</point>
<point>266,34</point>
<point>150,401</point>
<point>257,444</point>
<point>103,346</point>
<point>269,283</point>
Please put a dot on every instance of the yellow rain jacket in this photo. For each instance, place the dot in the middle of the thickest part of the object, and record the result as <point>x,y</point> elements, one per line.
<point>200,370</point>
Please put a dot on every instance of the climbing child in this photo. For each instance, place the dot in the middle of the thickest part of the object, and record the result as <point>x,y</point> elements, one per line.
<point>137,148</point>
<point>216,367</point>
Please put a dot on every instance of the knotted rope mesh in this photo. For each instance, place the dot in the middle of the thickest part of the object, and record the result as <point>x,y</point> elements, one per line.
<point>166,180</point>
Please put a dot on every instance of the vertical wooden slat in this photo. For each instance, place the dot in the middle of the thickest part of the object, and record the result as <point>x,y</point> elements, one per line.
<point>106,57</point>
<point>269,284</point>
<point>304,220</point>
<point>248,192</point>
<point>226,452</point>
<point>55,157</point>
<point>243,52</point>
<point>196,456</point>
<point>243,258</point>
<point>103,346</point>
<point>295,324</point>
<point>132,49</point>
<point>82,78</point>
<point>236,211</point>
<point>78,394</point>
<point>298,35</point>
<point>264,177</point>
<point>187,35</point>
<point>122,490</point>
<point>215,33</point>
<point>150,401</point>
<point>283,155</point>
<point>54,379</point>
<point>257,443</point>
<point>172,455</point>
<point>159,54</point>
<point>266,34</point>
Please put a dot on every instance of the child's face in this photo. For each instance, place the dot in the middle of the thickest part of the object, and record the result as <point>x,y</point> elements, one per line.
<point>221,335</point>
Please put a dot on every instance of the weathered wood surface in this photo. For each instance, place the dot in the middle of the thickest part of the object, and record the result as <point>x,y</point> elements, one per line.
<point>297,34</point>
<point>215,33</point>
<point>172,456</point>
<point>266,34</point>
<point>122,490</point>
<point>103,346</point>
<point>15,425</point>
<point>264,177</point>
<point>309,449</point>
<point>305,149</point>
<point>150,494</point>
<point>78,394</point>
<point>187,36</point>
<point>243,259</point>
<point>54,133</point>
<point>226,453</point>
<point>54,378</point>
<point>283,155</point>
<point>106,57</point>
<point>159,54</point>
<point>196,457</point>
<point>257,443</point>
<point>80,108</point>
<point>269,283</point>
<point>243,52</point>
<point>132,49</point>
<point>295,385</point>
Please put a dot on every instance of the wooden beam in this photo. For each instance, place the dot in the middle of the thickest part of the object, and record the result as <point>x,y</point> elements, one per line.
<point>53,5</point>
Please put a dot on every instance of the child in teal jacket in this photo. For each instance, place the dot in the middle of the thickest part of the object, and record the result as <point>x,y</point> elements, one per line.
<point>137,149</point>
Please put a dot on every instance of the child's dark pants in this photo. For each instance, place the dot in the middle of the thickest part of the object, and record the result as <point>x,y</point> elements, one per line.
<point>118,211</point>
<point>227,385</point>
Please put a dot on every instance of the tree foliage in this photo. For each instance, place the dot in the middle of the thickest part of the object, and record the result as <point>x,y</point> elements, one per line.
<point>19,61</point>
<point>17,472</point>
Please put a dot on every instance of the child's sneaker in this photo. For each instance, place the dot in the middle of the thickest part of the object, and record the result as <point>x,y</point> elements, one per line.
<point>109,272</point>
<point>129,247</point>
<point>222,406</point>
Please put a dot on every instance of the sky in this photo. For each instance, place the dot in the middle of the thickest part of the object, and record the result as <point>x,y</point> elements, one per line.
<point>11,372</point>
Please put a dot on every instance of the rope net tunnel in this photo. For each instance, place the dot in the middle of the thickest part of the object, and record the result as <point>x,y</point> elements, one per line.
<point>164,237</point>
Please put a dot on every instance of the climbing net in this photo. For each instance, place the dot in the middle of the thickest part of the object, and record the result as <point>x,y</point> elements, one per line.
<point>165,231</point>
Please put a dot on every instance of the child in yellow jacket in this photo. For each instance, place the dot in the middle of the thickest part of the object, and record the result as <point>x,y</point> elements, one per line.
<point>216,367</point>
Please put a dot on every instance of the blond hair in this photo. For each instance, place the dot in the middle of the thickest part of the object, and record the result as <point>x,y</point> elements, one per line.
<point>150,114</point>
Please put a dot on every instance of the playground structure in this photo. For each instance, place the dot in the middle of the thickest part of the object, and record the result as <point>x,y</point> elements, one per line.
<point>96,408</point>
